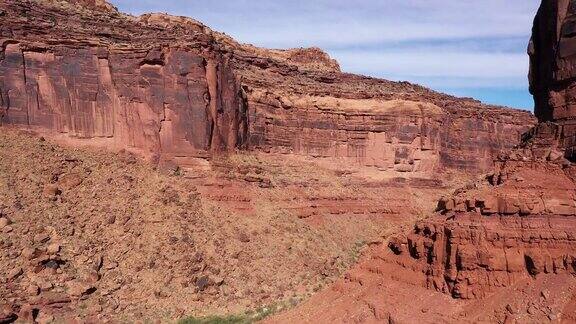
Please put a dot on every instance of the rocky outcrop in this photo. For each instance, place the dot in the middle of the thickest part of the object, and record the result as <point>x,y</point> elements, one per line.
<point>552,74</point>
<point>94,4</point>
<point>517,224</point>
<point>170,86</point>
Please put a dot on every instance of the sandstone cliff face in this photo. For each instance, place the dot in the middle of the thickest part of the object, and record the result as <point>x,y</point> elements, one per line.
<point>552,56</point>
<point>389,125</point>
<point>170,86</point>
<point>87,75</point>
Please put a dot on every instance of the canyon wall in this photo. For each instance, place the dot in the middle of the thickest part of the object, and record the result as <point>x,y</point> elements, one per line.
<point>171,102</point>
<point>170,86</point>
<point>156,98</point>
<point>389,125</point>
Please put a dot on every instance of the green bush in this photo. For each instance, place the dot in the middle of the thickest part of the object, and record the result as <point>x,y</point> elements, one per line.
<point>233,319</point>
<point>247,318</point>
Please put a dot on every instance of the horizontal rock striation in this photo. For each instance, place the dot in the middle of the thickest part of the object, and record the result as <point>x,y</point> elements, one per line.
<point>390,125</point>
<point>516,225</point>
<point>170,86</point>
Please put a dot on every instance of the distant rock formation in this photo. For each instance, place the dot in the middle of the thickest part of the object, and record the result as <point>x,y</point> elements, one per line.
<point>170,87</point>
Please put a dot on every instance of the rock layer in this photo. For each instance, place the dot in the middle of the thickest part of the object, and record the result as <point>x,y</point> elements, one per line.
<point>517,225</point>
<point>390,125</point>
<point>170,86</point>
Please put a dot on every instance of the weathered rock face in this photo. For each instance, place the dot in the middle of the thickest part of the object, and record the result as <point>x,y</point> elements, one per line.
<point>94,4</point>
<point>389,125</point>
<point>170,86</point>
<point>552,73</point>
<point>516,225</point>
<point>89,81</point>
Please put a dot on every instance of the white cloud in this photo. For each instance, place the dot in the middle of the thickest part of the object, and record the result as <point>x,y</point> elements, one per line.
<point>431,64</point>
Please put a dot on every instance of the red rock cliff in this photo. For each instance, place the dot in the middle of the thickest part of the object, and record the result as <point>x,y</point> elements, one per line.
<point>390,125</point>
<point>171,86</point>
<point>123,81</point>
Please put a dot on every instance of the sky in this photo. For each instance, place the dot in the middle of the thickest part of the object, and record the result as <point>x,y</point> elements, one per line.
<point>467,48</point>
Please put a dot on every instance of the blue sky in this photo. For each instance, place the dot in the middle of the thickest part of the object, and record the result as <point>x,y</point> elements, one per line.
<point>464,47</point>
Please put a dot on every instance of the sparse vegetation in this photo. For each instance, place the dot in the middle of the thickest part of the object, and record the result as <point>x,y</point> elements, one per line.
<point>248,243</point>
<point>356,251</point>
<point>246,318</point>
<point>235,241</point>
<point>216,320</point>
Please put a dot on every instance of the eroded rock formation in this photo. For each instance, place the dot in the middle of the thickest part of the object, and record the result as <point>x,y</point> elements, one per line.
<point>520,221</point>
<point>170,86</point>
<point>552,69</point>
<point>516,225</point>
